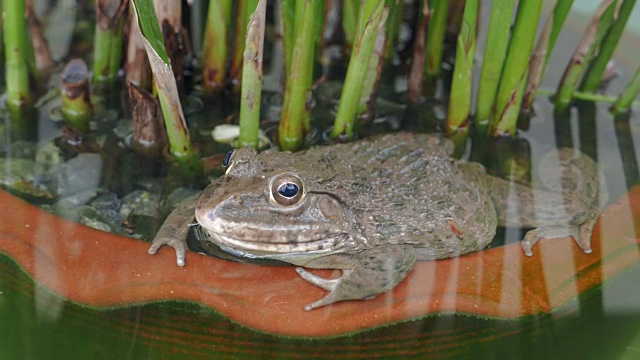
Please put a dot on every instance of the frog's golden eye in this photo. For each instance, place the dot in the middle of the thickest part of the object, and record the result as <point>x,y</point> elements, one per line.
<point>287,189</point>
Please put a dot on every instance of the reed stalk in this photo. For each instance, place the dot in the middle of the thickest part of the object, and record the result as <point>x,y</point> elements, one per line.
<point>288,16</point>
<point>392,25</point>
<point>107,51</point>
<point>138,70</point>
<point>457,125</point>
<point>239,35</point>
<point>593,76</point>
<point>1,37</point>
<point>43,60</point>
<point>356,72</point>
<point>177,131</point>
<point>512,83</point>
<point>76,97</point>
<point>251,89</point>
<point>149,135</point>
<point>378,57</point>
<point>16,69</point>
<point>584,52</point>
<point>350,11</point>
<point>169,14</point>
<point>416,72</point>
<point>494,55</point>
<point>542,52</point>
<point>626,98</point>
<point>435,39</point>
<point>295,109</point>
<point>214,45</point>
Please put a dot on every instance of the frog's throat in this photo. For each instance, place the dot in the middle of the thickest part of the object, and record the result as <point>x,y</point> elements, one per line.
<point>330,244</point>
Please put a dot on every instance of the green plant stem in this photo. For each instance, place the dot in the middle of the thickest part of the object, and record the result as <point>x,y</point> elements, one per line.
<point>494,54</point>
<point>392,25</point>
<point>350,11</point>
<point>288,15</point>
<point>16,70</point>
<point>43,59</point>
<point>177,131</point>
<point>416,72</point>
<point>76,98</point>
<point>512,83</point>
<point>435,38</point>
<point>584,96</point>
<point>626,98</point>
<point>358,69</point>
<point>2,48</point>
<point>593,76</point>
<point>584,52</point>
<point>543,50</point>
<point>214,46</point>
<point>239,35</point>
<point>294,108</point>
<point>457,126</point>
<point>375,67</point>
<point>107,54</point>
<point>251,90</point>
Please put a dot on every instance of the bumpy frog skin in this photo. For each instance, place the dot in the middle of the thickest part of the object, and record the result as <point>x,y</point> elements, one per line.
<point>373,207</point>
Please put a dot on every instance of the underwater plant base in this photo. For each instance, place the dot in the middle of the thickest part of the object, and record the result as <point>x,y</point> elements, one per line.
<point>102,270</point>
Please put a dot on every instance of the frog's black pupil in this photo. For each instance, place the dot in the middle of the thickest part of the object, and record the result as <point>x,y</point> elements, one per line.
<point>288,190</point>
<point>225,162</point>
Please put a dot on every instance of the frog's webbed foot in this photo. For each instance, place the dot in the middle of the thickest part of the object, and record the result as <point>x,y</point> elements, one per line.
<point>581,233</point>
<point>174,230</point>
<point>179,245</point>
<point>376,271</point>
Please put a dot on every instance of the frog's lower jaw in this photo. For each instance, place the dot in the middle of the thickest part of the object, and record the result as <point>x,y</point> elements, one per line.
<point>377,270</point>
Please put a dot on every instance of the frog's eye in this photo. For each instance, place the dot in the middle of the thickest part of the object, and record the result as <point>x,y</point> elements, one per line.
<point>287,189</point>
<point>227,159</point>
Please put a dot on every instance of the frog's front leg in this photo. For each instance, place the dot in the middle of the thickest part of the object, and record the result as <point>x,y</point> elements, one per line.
<point>175,228</point>
<point>375,271</point>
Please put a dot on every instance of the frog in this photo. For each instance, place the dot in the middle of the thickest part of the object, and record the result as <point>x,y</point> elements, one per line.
<point>373,207</point>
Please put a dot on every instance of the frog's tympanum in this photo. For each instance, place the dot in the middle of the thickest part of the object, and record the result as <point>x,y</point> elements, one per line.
<point>373,207</point>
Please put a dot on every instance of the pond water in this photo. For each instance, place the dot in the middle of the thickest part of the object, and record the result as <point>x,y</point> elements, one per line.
<point>71,291</point>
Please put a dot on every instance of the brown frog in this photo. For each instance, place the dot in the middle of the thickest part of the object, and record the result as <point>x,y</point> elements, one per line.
<point>373,207</point>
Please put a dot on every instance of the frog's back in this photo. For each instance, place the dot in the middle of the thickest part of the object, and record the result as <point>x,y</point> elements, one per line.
<point>406,189</point>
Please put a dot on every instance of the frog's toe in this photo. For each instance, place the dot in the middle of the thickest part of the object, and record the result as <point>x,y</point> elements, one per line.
<point>377,270</point>
<point>582,236</point>
<point>327,284</point>
<point>329,299</point>
<point>179,246</point>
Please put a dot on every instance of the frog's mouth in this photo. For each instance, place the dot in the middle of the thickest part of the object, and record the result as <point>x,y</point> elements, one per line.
<point>328,244</point>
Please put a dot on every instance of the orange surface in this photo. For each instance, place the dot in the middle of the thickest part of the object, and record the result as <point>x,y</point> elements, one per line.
<point>95,268</point>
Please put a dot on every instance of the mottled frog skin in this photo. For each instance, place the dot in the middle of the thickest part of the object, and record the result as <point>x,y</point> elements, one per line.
<point>373,207</point>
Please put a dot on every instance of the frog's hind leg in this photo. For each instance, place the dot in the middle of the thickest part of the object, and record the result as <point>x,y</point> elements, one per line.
<point>376,271</point>
<point>568,205</point>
